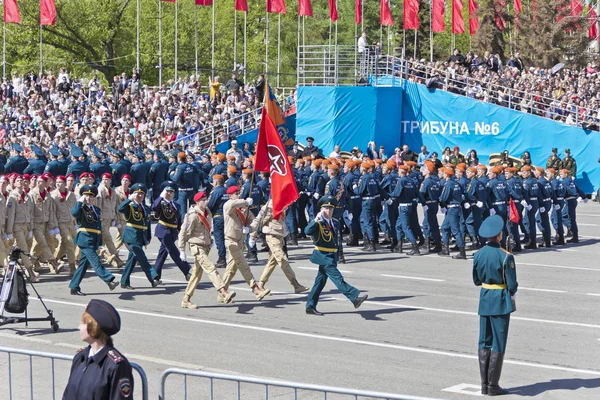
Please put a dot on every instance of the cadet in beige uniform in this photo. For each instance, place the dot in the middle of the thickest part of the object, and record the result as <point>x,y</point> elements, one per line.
<point>44,224</point>
<point>195,230</point>
<point>122,194</point>
<point>19,222</point>
<point>275,232</point>
<point>3,200</point>
<point>64,201</point>
<point>107,202</point>
<point>237,217</point>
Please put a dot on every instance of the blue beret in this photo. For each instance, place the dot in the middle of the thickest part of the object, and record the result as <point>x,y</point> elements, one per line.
<point>106,316</point>
<point>491,226</point>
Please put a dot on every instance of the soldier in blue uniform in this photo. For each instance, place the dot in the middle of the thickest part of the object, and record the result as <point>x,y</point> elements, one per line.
<point>98,166</point>
<point>404,195</point>
<point>370,192</point>
<point>79,164</point>
<point>498,197</point>
<point>37,163</point>
<point>139,170</point>
<point>429,196</point>
<point>217,198</point>
<point>315,187</point>
<point>495,271</point>
<point>560,192</point>
<point>253,191</point>
<point>16,163</point>
<point>389,215</point>
<point>188,181</point>
<point>158,173</point>
<point>476,200</point>
<point>56,167</point>
<point>548,198</point>
<point>573,196</point>
<point>354,202</point>
<point>119,166</point>
<point>136,234</point>
<point>88,239</point>
<point>515,191</point>
<point>451,200</point>
<point>323,231</point>
<point>533,195</point>
<point>265,187</point>
<point>232,178</point>
<point>334,188</point>
<point>220,167</point>
<point>166,210</point>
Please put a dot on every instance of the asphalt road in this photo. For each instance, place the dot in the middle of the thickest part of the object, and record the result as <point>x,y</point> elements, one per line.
<point>417,334</point>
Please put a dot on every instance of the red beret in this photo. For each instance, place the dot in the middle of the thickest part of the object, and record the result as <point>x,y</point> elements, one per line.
<point>90,175</point>
<point>126,176</point>
<point>61,177</point>
<point>49,176</point>
<point>106,175</point>
<point>199,195</point>
<point>232,189</point>
<point>70,176</point>
<point>43,178</point>
<point>83,175</point>
<point>27,177</point>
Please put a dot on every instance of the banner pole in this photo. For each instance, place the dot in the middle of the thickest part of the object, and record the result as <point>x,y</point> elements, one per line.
<point>362,16</point>
<point>41,53</point>
<point>4,49</point>
<point>212,50</point>
<point>278,47</point>
<point>234,39</point>
<point>431,31</point>
<point>415,48</point>
<point>137,28</point>
<point>298,52</point>
<point>267,45</point>
<point>245,65</point>
<point>160,60</point>
<point>176,36</point>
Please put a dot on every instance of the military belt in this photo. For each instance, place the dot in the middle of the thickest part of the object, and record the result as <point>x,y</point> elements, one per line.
<point>499,202</point>
<point>142,227</point>
<point>533,198</point>
<point>560,198</point>
<point>569,198</point>
<point>371,198</point>
<point>431,202</point>
<point>405,204</point>
<point>326,249</point>
<point>90,230</point>
<point>548,199</point>
<point>355,197</point>
<point>493,286</point>
<point>167,224</point>
<point>186,190</point>
<point>453,205</point>
<point>217,215</point>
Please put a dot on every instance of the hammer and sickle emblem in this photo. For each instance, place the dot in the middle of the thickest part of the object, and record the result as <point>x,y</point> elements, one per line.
<point>277,160</point>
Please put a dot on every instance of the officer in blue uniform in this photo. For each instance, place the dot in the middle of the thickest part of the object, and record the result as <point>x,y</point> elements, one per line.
<point>498,197</point>
<point>370,192</point>
<point>315,187</point>
<point>560,192</point>
<point>495,271</point>
<point>265,187</point>
<point>572,197</point>
<point>548,198</point>
<point>88,239</point>
<point>119,166</point>
<point>451,200</point>
<point>56,167</point>
<point>37,163</point>
<point>429,196</point>
<point>217,198</point>
<point>334,188</point>
<point>98,166</point>
<point>99,371</point>
<point>188,181</point>
<point>389,216</point>
<point>79,164</point>
<point>405,193</point>
<point>250,190</point>
<point>533,195</point>
<point>515,191</point>
<point>354,201</point>
<point>140,169</point>
<point>476,200</point>
<point>323,231</point>
<point>166,210</point>
<point>158,173</point>
<point>136,234</point>
<point>16,163</point>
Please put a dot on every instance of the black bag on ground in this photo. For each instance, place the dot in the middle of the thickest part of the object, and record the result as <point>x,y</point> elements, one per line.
<point>18,298</point>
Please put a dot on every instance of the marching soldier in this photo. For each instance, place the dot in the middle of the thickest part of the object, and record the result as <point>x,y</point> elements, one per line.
<point>89,238</point>
<point>569,164</point>
<point>404,194</point>
<point>573,196</point>
<point>494,270</point>
<point>335,188</point>
<point>19,222</point>
<point>44,224</point>
<point>515,190</point>
<point>560,192</point>
<point>548,197</point>
<point>196,232</point>
<point>217,198</point>
<point>370,191</point>
<point>136,234</point>
<point>64,201</point>
<point>323,231</point>
<point>237,220</point>
<point>533,195</point>
<point>3,235</point>
<point>107,201</point>
<point>451,200</point>
<point>122,195</point>
<point>251,190</point>
<point>554,160</point>
<point>429,195</point>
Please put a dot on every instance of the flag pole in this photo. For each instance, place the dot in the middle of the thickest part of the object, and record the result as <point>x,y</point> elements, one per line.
<point>212,62</point>
<point>245,66</point>
<point>234,39</point>
<point>196,41</point>
<point>176,36</point>
<point>160,60</point>
<point>137,35</point>
<point>362,16</point>
<point>431,31</point>
<point>415,48</point>
<point>4,49</point>
<point>298,52</point>
<point>278,46</point>
<point>41,53</point>
<point>267,45</point>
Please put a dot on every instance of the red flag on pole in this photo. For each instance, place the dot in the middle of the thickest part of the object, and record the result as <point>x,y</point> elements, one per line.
<point>458,24</point>
<point>385,17</point>
<point>514,215</point>
<point>411,14</point>
<point>437,16</point>
<point>473,19</point>
<point>276,6</point>
<point>518,6</point>
<point>333,10</point>
<point>11,12</point>
<point>358,12</point>
<point>207,3</point>
<point>499,9</point>
<point>241,5</point>
<point>271,156</point>
<point>305,8</point>
<point>47,12</point>
<point>576,8</point>
<point>593,18</point>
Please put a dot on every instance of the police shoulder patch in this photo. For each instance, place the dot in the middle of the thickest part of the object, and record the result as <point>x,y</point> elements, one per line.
<point>115,356</point>
<point>125,387</point>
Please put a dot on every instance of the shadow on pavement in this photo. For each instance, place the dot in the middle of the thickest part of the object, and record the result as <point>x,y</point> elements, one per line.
<point>374,315</point>
<point>555,384</point>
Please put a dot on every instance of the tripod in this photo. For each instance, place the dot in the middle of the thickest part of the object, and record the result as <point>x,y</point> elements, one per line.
<point>15,272</point>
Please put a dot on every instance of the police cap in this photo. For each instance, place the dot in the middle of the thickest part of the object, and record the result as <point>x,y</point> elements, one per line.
<point>105,315</point>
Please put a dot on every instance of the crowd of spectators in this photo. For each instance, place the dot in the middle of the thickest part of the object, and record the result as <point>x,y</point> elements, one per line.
<point>571,96</point>
<point>62,109</point>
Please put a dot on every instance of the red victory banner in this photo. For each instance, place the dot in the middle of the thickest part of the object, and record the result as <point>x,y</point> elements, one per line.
<point>437,16</point>
<point>305,8</point>
<point>47,12</point>
<point>458,24</point>
<point>11,12</point>
<point>276,6</point>
<point>386,15</point>
<point>411,14</point>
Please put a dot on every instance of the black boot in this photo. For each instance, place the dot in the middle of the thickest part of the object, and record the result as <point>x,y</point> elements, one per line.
<point>461,254</point>
<point>352,241</point>
<point>294,239</point>
<point>437,247</point>
<point>341,258</point>
<point>532,245</point>
<point>484,360</point>
<point>398,247</point>
<point>569,233</point>
<point>386,239</point>
<point>445,250</point>
<point>525,240</point>
<point>370,246</point>
<point>365,244</point>
<point>560,241</point>
<point>455,248</point>
<point>221,263</point>
<point>427,246</point>
<point>494,372</point>
<point>421,241</point>
<point>414,251</point>
<point>574,239</point>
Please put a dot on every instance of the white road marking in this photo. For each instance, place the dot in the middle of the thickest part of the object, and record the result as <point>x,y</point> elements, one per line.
<point>465,388</point>
<point>345,271</point>
<point>542,290</point>
<point>413,277</point>
<point>558,266</point>
<point>593,294</point>
<point>580,224</point>
<point>588,215</point>
<point>337,339</point>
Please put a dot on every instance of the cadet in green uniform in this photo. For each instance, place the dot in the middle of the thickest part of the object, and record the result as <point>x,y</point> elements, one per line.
<point>553,160</point>
<point>136,235</point>
<point>569,164</point>
<point>494,270</point>
<point>323,230</point>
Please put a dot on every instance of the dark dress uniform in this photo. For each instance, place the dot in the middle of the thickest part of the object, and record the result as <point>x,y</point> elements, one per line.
<point>429,196</point>
<point>119,169</point>
<point>452,198</point>
<point>495,271</point>
<point>167,232</point>
<point>36,165</point>
<point>325,238</point>
<point>405,193</point>
<point>136,235</point>
<point>158,175</point>
<point>335,189</point>
<point>88,239</point>
<point>217,198</point>
<point>16,164</point>
<point>188,180</point>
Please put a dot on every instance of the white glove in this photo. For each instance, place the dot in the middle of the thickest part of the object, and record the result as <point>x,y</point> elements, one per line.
<point>29,234</point>
<point>350,217</point>
<point>316,195</point>
<point>479,204</point>
<point>318,217</point>
<point>245,230</point>
<point>354,187</point>
<point>132,196</point>
<point>251,242</point>
<point>76,227</point>
<point>542,210</point>
<point>557,207</point>
<point>9,237</point>
<point>249,201</point>
<point>467,206</point>
<point>345,214</point>
<point>585,200</point>
<point>390,202</point>
<point>113,223</point>
<point>425,208</point>
<point>523,203</point>
<point>492,211</point>
<point>579,199</point>
<point>82,199</point>
<point>118,226</point>
<point>182,254</point>
<point>163,194</point>
<point>443,209</point>
<point>529,207</point>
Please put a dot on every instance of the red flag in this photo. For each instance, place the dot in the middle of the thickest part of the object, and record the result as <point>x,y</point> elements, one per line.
<point>271,156</point>
<point>593,18</point>
<point>47,12</point>
<point>207,3</point>
<point>333,10</point>
<point>385,17</point>
<point>11,12</point>
<point>499,9</point>
<point>276,6</point>
<point>518,6</point>
<point>458,24</point>
<point>437,16</point>
<point>241,5</point>
<point>473,18</point>
<point>514,215</point>
<point>305,8</point>
<point>576,8</point>
<point>358,12</point>
<point>411,14</point>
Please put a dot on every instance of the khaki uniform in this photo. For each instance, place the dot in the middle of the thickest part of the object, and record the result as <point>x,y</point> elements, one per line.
<point>66,225</point>
<point>121,197</point>
<point>19,222</point>
<point>195,231</point>
<point>234,211</point>
<point>3,253</point>
<point>44,219</point>
<point>107,201</point>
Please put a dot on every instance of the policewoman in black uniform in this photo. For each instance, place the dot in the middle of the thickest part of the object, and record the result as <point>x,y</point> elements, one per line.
<point>99,371</point>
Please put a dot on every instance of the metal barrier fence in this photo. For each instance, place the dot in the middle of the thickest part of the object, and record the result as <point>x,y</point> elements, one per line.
<point>265,388</point>
<point>63,372</point>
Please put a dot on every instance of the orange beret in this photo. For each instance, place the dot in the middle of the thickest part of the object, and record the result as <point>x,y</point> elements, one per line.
<point>247,171</point>
<point>404,168</point>
<point>334,167</point>
<point>411,164</point>
<point>461,168</point>
<point>378,161</point>
<point>564,171</point>
<point>326,162</point>
<point>449,171</point>
<point>231,157</point>
<point>232,169</point>
<point>483,167</point>
<point>365,164</point>
<point>430,166</point>
<point>307,158</point>
<point>221,157</point>
<point>290,159</point>
<point>551,170</point>
<point>317,163</point>
<point>473,169</point>
<point>512,170</point>
<point>526,168</point>
<point>218,176</point>
<point>300,160</point>
<point>181,155</point>
<point>391,164</point>
<point>496,170</point>
<point>540,169</point>
<point>462,165</point>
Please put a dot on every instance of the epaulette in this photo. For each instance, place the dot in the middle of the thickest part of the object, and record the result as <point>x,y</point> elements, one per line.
<point>115,356</point>
<point>81,349</point>
<point>504,250</point>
